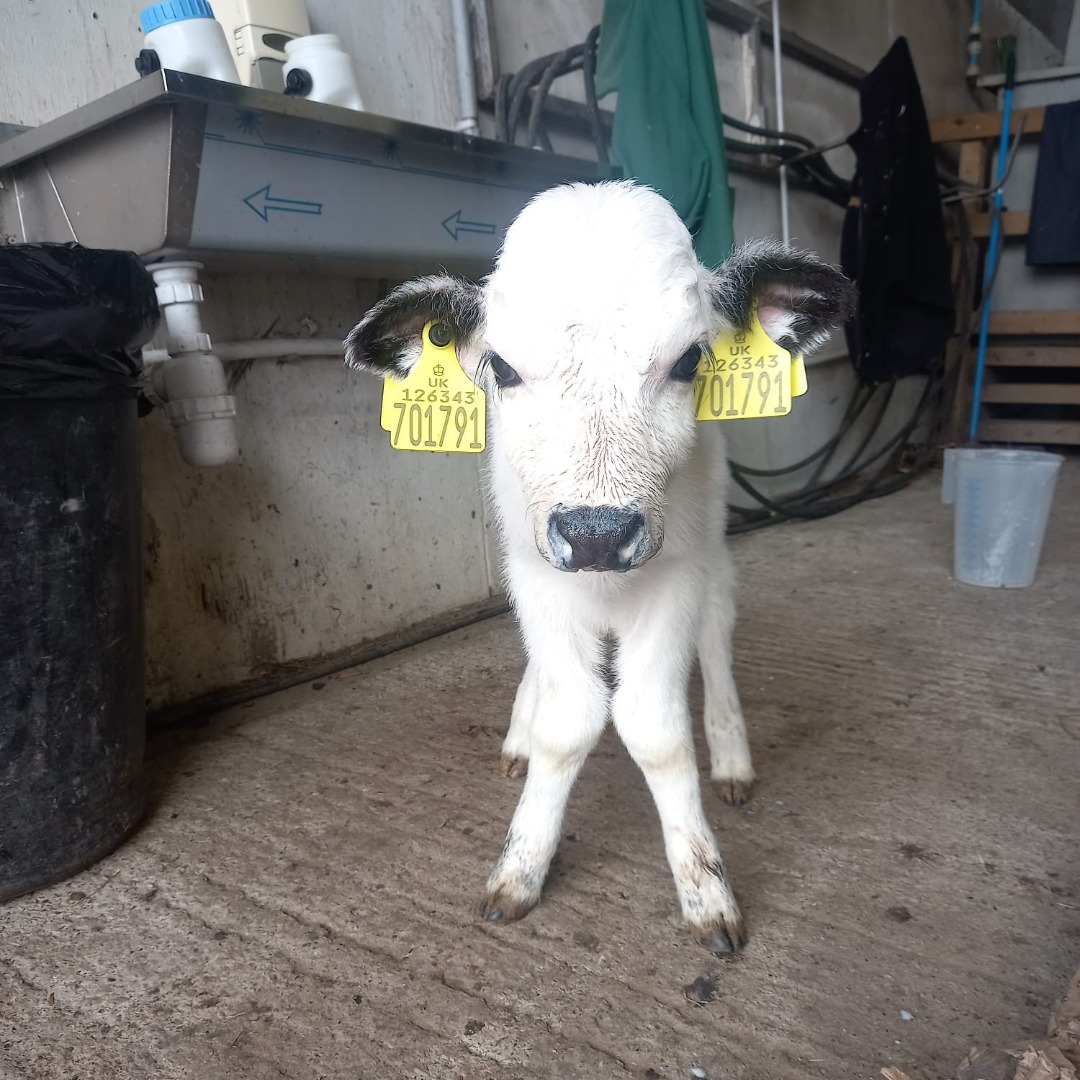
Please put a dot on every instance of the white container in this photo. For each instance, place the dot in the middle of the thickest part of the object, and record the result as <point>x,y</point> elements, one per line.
<point>186,37</point>
<point>1003,500</point>
<point>323,71</point>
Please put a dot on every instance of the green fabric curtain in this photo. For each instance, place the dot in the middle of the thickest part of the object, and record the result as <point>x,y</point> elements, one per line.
<point>668,129</point>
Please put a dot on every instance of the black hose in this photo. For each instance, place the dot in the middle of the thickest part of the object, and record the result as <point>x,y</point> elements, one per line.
<point>588,71</point>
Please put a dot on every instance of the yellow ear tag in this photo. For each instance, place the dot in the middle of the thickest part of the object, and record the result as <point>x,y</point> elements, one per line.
<point>799,385</point>
<point>747,376</point>
<point>437,408</point>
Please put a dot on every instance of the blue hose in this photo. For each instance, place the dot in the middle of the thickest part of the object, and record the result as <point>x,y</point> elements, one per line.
<point>993,252</point>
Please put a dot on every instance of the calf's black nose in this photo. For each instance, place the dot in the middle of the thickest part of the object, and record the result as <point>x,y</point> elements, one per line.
<point>596,537</point>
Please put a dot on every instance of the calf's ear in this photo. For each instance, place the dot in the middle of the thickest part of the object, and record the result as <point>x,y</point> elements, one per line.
<point>798,297</point>
<point>388,339</point>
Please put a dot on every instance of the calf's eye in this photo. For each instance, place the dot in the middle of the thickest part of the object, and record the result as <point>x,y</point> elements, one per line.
<point>504,374</point>
<point>686,366</point>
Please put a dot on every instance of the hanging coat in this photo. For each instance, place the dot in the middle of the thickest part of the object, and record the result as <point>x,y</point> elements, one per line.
<point>893,242</point>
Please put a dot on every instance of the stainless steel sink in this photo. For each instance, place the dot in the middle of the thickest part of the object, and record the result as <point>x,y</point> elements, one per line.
<point>177,165</point>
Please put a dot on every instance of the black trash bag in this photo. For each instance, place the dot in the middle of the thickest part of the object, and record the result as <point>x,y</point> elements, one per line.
<point>72,320</point>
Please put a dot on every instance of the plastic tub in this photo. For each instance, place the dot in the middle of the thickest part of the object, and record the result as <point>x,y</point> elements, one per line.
<point>948,474</point>
<point>1003,502</point>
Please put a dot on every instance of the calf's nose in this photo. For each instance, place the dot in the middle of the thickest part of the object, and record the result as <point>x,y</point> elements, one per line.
<point>596,537</point>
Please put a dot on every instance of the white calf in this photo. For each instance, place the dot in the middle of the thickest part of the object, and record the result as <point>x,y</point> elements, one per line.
<point>586,338</point>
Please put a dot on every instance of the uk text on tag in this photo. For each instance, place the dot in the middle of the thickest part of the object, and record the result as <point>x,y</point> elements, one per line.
<point>745,376</point>
<point>438,408</point>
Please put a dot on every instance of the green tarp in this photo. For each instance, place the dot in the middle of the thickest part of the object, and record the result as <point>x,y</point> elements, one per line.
<point>668,129</point>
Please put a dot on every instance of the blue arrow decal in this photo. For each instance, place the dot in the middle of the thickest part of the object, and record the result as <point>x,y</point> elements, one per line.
<point>262,202</point>
<point>454,225</point>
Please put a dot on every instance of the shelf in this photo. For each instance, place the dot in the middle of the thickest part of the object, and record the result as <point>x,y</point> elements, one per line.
<point>974,126</point>
<point>1049,356</point>
<point>1014,393</point>
<point>1044,323</point>
<point>1046,432</point>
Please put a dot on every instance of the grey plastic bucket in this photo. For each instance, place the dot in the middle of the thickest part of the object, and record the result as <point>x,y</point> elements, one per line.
<point>1003,500</point>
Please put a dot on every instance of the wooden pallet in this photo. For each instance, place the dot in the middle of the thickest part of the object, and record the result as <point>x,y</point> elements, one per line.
<point>1031,391</point>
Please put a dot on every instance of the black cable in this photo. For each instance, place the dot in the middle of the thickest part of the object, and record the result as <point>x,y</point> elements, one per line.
<point>563,64</point>
<point>850,415</point>
<point>769,133</point>
<point>785,508</point>
<point>930,401</point>
<point>588,71</point>
<point>871,430</point>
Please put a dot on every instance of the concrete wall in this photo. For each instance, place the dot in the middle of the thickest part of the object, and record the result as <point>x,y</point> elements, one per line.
<point>322,537</point>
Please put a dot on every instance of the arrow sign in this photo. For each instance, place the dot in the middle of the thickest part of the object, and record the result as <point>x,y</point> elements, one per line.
<point>262,202</point>
<point>454,225</point>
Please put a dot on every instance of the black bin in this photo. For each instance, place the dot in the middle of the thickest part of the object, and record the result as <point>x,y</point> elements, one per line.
<point>72,725</point>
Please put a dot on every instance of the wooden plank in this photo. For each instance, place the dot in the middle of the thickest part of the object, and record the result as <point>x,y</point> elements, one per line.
<point>1010,393</point>
<point>1035,322</point>
<point>1013,223</point>
<point>1047,432</point>
<point>1050,356</point>
<point>973,169</point>
<point>974,158</point>
<point>971,126</point>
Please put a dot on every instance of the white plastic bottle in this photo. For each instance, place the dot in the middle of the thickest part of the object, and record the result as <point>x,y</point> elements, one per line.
<point>316,67</point>
<point>185,37</point>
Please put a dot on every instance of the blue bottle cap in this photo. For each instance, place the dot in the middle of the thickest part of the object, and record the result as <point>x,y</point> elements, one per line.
<point>170,11</point>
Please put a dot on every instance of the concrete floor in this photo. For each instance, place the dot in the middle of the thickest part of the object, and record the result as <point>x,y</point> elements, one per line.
<point>301,901</point>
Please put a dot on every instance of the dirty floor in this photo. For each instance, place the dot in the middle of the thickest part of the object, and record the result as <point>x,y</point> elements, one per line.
<point>301,900</point>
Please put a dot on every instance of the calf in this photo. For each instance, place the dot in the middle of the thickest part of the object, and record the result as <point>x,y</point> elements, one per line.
<point>610,500</point>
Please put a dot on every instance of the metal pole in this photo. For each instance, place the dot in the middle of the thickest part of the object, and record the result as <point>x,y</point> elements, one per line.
<point>778,60</point>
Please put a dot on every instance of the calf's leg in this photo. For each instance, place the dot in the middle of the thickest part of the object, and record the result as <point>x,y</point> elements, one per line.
<point>651,713</point>
<point>514,760</point>
<point>569,711</point>
<point>731,770</point>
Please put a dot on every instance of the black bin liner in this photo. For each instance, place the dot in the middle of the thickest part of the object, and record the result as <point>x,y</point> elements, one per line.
<point>72,729</point>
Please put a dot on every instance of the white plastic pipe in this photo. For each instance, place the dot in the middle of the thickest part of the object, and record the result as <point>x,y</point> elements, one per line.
<point>192,379</point>
<point>262,349</point>
<point>463,62</point>
<point>778,76</point>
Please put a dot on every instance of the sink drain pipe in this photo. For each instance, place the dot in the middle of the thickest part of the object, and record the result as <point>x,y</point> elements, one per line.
<point>191,382</point>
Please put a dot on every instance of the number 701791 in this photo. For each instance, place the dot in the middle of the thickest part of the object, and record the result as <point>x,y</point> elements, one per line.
<point>737,395</point>
<point>420,427</point>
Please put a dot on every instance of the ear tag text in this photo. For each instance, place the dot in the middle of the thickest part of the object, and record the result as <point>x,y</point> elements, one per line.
<point>437,408</point>
<point>747,376</point>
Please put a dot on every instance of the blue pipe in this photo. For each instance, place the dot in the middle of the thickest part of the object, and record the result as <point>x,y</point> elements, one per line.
<point>992,255</point>
<point>974,42</point>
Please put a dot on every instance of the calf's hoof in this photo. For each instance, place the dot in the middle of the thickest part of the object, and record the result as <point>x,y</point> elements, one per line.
<point>733,791</point>
<point>724,937</point>
<point>513,766</point>
<point>501,906</point>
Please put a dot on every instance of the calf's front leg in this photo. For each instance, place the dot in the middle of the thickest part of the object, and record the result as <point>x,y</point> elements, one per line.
<point>651,713</point>
<point>729,752</point>
<point>567,711</point>
<point>514,760</point>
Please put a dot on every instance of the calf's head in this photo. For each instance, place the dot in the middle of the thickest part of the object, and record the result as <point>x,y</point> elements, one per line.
<point>586,338</point>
